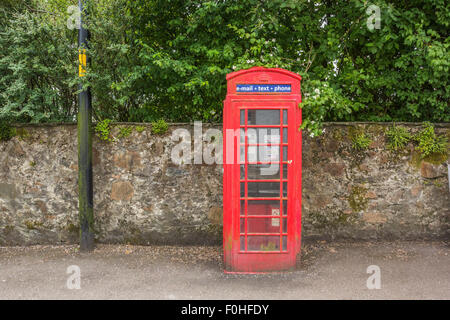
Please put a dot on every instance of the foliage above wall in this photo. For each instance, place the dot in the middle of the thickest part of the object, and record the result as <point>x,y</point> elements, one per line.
<point>154,59</point>
<point>429,143</point>
<point>398,137</point>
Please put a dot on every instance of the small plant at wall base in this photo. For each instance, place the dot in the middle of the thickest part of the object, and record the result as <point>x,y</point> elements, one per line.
<point>398,137</point>
<point>125,132</point>
<point>361,141</point>
<point>269,247</point>
<point>140,129</point>
<point>159,127</point>
<point>103,130</point>
<point>429,142</point>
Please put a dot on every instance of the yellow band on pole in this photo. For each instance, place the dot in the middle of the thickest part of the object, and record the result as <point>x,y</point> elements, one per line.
<point>82,64</point>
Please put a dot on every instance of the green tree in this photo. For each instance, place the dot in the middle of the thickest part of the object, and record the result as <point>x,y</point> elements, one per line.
<point>37,68</point>
<point>167,59</point>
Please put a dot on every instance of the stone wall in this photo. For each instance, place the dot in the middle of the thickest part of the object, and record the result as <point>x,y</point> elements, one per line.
<point>141,197</point>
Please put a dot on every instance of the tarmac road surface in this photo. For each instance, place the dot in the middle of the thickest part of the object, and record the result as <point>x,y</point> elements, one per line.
<point>326,270</point>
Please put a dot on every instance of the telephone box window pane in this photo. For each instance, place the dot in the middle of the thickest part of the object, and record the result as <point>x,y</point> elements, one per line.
<point>284,243</point>
<point>263,225</point>
<point>242,208</point>
<point>263,207</point>
<point>242,155</point>
<point>284,225</point>
<point>263,153</point>
<point>285,117</point>
<point>242,117</point>
<point>263,189</point>
<point>285,171</point>
<point>285,153</point>
<point>252,154</point>
<point>263,171</point>
<point>285,207</point>
<point>242,228</point>
<point>242,243</point>
<point>285,191</point>
<point>261,117</point>
<point>242,172</point>
<point>263,243</point>
<point>242,189</point>
<point>263,135</point>
<point>242,135</point>
<point>269,153</point>
<point>285,135</point>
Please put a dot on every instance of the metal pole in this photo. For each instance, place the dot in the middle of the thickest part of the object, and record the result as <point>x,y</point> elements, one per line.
<point>85,184</point>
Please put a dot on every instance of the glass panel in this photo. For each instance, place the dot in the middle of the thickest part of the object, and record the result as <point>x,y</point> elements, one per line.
<point>242,243</point>
<point>242,228</point>
<point>285,190</point>
<point>285,208</point>
<point>263,171</point>
<point>263,243</point>
<point>263,135</point>
<point>285,153</point>
<point>263,225</point>
<point>242,208</point>
<point>285,117</point>
<point>261,117</point>
<point>242,189</point>
<point>284,243</point>
<point>242,117</point>
<point>242,155</point>
<point>252,154</point>
<point>284,225</point>
<point>263,153</point>
<point>285,171</point>
<point>285,135</point>
<point>242,135</point>
<point>269,153</point>
<point>242,175</point>
<point>263,207</point>
<point>263,189</point>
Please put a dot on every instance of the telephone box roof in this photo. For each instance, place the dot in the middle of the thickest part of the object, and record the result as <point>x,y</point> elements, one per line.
<point>264,69</point>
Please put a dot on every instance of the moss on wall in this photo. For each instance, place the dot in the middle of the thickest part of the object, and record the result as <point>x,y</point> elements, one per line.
<point>357,198</point>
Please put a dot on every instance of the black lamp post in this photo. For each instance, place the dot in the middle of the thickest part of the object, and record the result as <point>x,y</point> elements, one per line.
<point>85,181</point>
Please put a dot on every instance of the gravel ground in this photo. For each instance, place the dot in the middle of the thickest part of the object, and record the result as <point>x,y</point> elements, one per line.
<point>409,270</point>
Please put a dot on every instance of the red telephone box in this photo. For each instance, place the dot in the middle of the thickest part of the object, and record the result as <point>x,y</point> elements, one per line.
<point>262,170</point>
